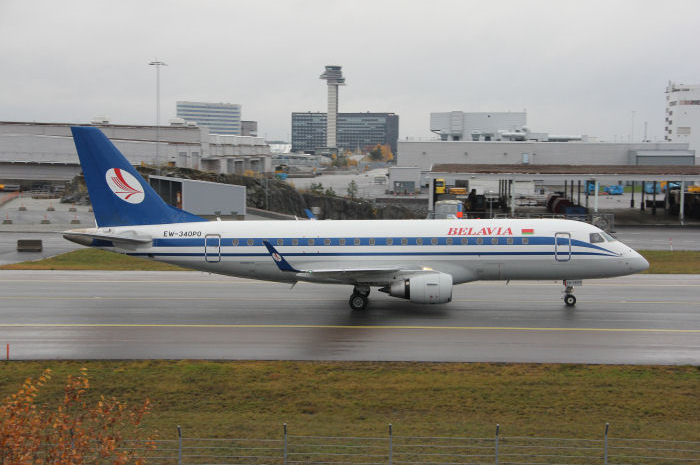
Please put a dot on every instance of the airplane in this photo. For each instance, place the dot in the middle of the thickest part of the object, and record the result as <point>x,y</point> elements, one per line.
<point>417,260</point>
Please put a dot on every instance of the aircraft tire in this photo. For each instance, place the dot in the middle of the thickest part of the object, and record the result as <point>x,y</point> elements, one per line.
<point>569,300</point>
<point>358,302</point>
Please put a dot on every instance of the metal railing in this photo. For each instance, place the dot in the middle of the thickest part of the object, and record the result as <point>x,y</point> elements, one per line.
<point>604,221</point>
<point>396,449</point>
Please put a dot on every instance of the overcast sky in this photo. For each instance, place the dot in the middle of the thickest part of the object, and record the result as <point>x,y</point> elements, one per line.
<point>577,67</point>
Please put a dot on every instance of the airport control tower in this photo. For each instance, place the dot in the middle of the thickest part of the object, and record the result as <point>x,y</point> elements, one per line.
<point>334,77</point>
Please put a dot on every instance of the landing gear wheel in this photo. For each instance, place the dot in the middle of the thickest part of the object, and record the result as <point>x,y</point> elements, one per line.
<point>358,301</point>
<point>569,300</point>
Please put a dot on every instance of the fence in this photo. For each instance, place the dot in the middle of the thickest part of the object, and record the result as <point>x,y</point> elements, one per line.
<point>605,221</point>
<point>395,449</point>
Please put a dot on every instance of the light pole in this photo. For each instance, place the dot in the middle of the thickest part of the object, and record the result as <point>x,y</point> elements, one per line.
<point>157,64</point>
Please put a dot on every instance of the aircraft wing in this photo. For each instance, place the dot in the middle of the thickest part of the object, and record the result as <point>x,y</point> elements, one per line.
<point>379,274</point>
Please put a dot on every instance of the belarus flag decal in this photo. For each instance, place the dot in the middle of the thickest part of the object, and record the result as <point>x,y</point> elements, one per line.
<point>528,231</point>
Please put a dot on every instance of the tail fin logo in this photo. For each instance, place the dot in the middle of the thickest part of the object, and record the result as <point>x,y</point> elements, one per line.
<point>124,185</point>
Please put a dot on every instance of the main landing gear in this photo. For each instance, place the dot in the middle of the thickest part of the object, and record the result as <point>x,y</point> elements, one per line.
<point>569,298</point>
<point>358,299</point>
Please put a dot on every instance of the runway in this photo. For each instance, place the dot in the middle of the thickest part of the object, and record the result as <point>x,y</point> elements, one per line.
<point>643,319</point>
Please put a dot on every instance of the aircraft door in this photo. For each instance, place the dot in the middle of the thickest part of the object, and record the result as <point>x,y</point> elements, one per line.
<point>212,248</point>
<point>562,246</point>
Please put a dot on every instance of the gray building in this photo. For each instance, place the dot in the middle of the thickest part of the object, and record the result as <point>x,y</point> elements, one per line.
<point>425,154</point>
<point>201,197</point>
<point>355,131</point>
<point>45,151</point>
<point>249,128</point>
<point>220,118</point>
<point>458,125</point>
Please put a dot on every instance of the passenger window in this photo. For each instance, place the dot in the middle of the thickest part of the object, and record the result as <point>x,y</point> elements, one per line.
<point>342,241</point>
<point>526,240</point>
<point>404,241</point>
<point>494,240</point>
<point>448,241</point>
<point>371,241</point>
<point>280,241</point>
<point>295,241</point>
<point>357,241</point>
<point>509,241</point>
<point>389,241</point>
<point>419,240</point>
<point>234,242</point>
<point>311,242</point>
<point>434,241</point>
<point>479,241</point>
<point>465,241</point>
<point>595,238</point>
<point>326,242</point>
<point>250,242</point>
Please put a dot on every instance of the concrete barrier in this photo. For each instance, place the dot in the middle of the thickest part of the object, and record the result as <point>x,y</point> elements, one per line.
<point>29,245</point>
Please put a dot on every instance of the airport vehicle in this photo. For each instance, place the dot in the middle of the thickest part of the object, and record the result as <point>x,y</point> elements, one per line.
<point>417,260</point>
<point>439,186</point>
<point>615,189</point>
<point>660,186</point>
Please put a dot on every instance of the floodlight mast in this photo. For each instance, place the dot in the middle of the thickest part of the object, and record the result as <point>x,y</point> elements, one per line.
<point>157,64</point>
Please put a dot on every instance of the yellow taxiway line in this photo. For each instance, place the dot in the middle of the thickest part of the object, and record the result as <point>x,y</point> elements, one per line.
<point>301,326</point>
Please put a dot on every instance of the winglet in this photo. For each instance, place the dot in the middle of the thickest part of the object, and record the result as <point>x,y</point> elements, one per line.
<point>280,261</point>
<point>309,214</point>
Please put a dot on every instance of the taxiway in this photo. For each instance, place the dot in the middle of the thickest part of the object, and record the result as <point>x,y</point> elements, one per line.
<point>642,319</point>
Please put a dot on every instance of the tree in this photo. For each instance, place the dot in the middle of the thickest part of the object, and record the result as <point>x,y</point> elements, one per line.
<point>73,433</point>
<point>330,192</point>
<point>352,189</point>
<point>316,188</point>
<point>376,153</point>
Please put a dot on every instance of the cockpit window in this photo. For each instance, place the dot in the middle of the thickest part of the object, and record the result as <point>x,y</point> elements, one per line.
<point>608,237</point>
<point>595,237</point>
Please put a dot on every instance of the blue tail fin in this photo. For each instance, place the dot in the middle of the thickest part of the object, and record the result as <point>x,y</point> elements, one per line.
<point>119,195</point>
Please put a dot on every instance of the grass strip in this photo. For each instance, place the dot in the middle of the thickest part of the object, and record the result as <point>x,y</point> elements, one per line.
<point>252,399</point>
<point>660,261</point>
<point>92,259</point>
<point>676,262</point>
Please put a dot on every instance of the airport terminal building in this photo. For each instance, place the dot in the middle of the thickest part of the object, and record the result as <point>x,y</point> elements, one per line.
<point>45,151</point>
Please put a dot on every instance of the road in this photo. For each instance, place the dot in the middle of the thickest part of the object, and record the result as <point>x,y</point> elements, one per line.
<point>643,319</point>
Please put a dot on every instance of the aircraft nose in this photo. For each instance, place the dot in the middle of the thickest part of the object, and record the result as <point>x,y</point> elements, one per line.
<point>637,263</point>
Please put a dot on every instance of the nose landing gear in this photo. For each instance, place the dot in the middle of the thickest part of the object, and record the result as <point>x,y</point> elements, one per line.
<point>569,298</point>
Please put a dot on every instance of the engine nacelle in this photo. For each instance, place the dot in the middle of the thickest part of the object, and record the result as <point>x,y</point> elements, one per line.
<point>427,288</point>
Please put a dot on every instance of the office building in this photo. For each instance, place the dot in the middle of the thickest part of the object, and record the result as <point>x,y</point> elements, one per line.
<point>683,114</point>
<point>220,118</point>
<point>355,131</point>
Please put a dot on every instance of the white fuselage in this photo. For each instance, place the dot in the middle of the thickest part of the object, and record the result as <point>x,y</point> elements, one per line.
<point>468,250</point>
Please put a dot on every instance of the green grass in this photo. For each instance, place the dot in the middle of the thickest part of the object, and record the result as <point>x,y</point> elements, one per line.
<point>687,262</point>
<point>253,399</point>
<point>92,259</point>
<point>667,262</point>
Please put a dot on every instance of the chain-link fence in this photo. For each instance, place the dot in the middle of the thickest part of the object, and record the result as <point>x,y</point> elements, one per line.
<point>396,449</point>
<point>604,221</point>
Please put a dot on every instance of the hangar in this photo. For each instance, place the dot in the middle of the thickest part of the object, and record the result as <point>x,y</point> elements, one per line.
<point>203,198</point>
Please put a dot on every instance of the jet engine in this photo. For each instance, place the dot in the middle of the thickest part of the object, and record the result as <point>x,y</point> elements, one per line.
<point>427,288</point>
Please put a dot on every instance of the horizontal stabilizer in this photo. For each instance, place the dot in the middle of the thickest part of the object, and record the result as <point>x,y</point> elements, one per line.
<point>125,239</point>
